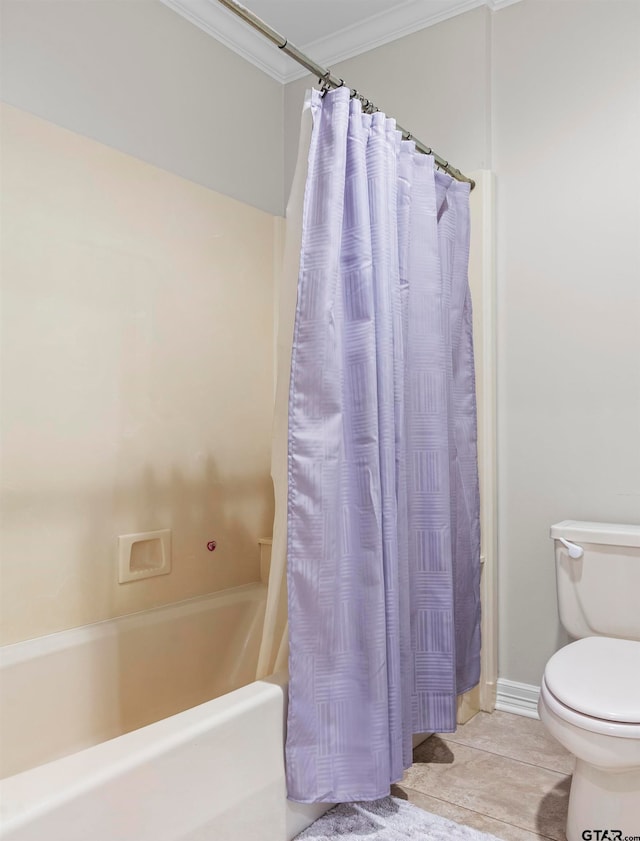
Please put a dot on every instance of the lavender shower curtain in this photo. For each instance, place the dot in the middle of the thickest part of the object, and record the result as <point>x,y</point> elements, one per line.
<point>383,537</point>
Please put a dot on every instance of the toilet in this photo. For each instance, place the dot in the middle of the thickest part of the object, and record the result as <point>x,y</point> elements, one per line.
<point>590,692</point>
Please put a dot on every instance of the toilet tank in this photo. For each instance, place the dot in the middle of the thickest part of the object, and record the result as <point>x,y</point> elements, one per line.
<point>599,592</point>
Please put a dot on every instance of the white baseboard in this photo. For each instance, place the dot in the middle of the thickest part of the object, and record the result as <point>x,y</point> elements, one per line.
<point>518,698</point>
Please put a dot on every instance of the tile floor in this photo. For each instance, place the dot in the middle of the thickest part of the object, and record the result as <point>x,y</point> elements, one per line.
<point>499,773</point>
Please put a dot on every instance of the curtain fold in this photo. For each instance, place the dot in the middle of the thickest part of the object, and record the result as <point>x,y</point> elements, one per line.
<point>383,542</point>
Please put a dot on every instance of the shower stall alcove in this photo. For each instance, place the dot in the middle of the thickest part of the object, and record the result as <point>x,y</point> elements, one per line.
<point>203,755</point>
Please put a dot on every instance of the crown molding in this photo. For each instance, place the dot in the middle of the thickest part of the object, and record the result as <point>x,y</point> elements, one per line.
<point>224,26</point>
<point>496,5</point>
<point>411,16</point>
<point>381,29</point>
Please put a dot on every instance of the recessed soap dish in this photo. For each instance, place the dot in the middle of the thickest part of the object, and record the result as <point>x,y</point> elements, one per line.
<point>144,555</point>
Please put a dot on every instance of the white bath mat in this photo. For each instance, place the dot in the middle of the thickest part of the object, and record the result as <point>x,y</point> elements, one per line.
<point>389,819</point>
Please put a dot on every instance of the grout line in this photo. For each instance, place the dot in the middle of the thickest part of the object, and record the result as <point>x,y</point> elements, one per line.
<point>503,755</point>
<point>475,812</point>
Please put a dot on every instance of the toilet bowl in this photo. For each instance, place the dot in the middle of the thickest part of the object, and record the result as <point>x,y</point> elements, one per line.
<point>590,702</point>
<point>590,692</point>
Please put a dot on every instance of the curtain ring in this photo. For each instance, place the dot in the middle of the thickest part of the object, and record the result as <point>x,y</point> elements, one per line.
<point>324,84</point>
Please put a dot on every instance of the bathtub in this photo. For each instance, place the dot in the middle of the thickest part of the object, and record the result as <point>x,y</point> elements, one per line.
<point>147,728</point>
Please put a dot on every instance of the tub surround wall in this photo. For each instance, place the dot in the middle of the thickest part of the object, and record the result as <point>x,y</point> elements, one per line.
<point>65,692</point>
<point>137,379</point>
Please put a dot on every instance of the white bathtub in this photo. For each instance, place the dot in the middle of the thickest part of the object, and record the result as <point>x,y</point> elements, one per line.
<point>82,702</point>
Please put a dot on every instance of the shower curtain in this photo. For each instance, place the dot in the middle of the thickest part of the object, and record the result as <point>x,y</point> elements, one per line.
<point>382,529</point>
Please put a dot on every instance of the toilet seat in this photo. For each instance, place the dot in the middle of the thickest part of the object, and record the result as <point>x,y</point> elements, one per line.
<point>598,676</point>
<point>596,681</point>
<point>589,723</point>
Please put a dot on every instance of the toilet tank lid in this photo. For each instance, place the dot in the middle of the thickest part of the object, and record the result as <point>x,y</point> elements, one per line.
<point>610,534</point>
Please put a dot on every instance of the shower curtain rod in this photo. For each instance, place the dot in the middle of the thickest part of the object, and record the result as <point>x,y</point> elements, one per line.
<point>328,81</point>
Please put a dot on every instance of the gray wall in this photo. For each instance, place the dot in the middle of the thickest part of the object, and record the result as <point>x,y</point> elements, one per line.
<point>566,93</point>
<point>547,95</point>
<point>138,77</point>
<point>434,82</point>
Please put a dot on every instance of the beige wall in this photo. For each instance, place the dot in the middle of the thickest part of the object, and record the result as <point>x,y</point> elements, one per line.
<point>137,378</point>
<point>547,94</point>
<point>135,75</point>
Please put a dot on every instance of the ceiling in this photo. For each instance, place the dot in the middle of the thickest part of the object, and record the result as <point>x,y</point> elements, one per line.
<point>327,30</point>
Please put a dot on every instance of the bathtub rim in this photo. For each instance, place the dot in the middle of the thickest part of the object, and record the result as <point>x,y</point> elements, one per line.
<point>30,794</point>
